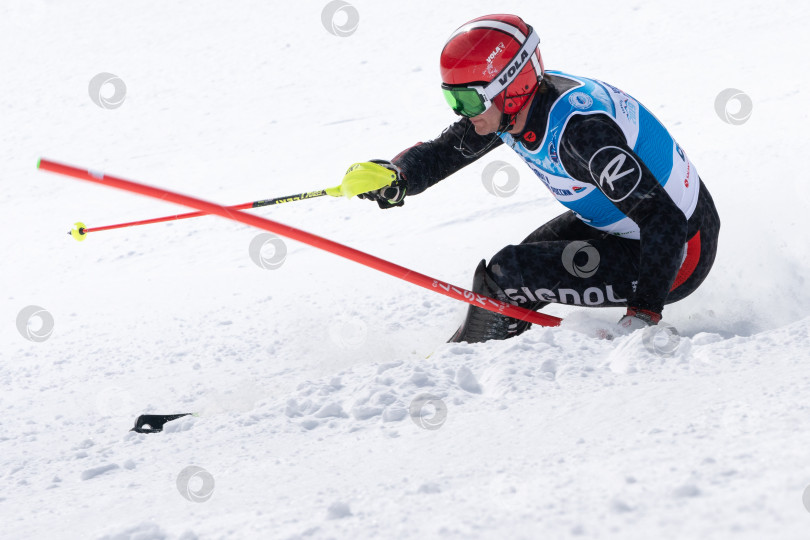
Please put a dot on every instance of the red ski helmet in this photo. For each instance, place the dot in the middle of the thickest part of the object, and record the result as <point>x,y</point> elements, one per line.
<point>493,59</point>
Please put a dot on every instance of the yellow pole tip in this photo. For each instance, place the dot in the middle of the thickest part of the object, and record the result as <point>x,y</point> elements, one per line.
<point>77,231</point>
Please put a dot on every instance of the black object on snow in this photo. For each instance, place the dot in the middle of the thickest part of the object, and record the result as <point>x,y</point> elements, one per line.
<point>153,423</point>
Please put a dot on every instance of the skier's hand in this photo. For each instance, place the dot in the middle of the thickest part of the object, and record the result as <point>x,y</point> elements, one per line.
<point>636,319</point>
<point>391,195</point>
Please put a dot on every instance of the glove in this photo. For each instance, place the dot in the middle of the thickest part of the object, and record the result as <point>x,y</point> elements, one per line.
<point>636,319</point>
<point>391,195</point>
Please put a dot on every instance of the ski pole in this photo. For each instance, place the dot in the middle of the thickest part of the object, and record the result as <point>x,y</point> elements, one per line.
<point>310,239</point>
<point>80,230</point>
<point>355,183</point>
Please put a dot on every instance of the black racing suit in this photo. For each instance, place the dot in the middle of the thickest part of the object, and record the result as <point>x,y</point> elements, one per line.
<point>645,273</point>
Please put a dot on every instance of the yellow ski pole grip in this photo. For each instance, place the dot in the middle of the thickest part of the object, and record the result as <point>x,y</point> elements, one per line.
<point>364,177</point>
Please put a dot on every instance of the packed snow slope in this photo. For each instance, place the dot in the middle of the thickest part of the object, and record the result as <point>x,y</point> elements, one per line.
<point>304,376</point>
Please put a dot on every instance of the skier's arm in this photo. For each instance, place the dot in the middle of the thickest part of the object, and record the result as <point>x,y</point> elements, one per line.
<point>593,149</point>
<point>427,163</point>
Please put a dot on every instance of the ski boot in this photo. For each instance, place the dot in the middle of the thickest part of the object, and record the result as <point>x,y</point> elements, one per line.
<point>483,325</point>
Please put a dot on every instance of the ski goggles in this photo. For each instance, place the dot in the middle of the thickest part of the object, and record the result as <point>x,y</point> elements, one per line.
<point>466,100</point>
<point>472,99</point>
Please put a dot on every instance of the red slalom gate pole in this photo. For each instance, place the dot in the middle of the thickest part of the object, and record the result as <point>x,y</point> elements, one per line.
<point>427,282</point>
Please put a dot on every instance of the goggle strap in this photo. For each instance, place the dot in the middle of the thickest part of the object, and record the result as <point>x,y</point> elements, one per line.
<point>496,86</point>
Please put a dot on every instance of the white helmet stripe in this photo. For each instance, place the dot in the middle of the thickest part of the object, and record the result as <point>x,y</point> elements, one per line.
<point>514,31</point>
<point>504,78</point>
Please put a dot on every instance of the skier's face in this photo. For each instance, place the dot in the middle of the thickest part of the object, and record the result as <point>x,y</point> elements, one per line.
<point>487,122</point>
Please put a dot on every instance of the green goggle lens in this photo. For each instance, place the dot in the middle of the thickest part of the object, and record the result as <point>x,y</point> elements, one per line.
<point>464,101</point>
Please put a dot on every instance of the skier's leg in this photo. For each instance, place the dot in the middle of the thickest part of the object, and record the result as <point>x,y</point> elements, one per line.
<point>561,255</point>
<point>593,272</point>
<point>700,252</point>
<point>566,261</point>
<point>481,324</point>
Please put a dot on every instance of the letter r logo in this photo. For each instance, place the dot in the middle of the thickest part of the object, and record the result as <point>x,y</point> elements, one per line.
<point>615,171</point>
<point>612,171</point>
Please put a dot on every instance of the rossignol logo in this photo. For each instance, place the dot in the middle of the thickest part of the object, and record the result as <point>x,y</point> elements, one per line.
<point>613,171</point>
<point>514,68</point>
<point>617,172</point>
<point>494,53</point>
<point>592,296</point>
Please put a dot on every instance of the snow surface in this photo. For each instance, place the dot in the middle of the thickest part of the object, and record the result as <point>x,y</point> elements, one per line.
<point>304,375</point>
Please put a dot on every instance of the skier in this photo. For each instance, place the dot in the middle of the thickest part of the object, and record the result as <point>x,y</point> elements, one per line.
<point>641,228</point>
